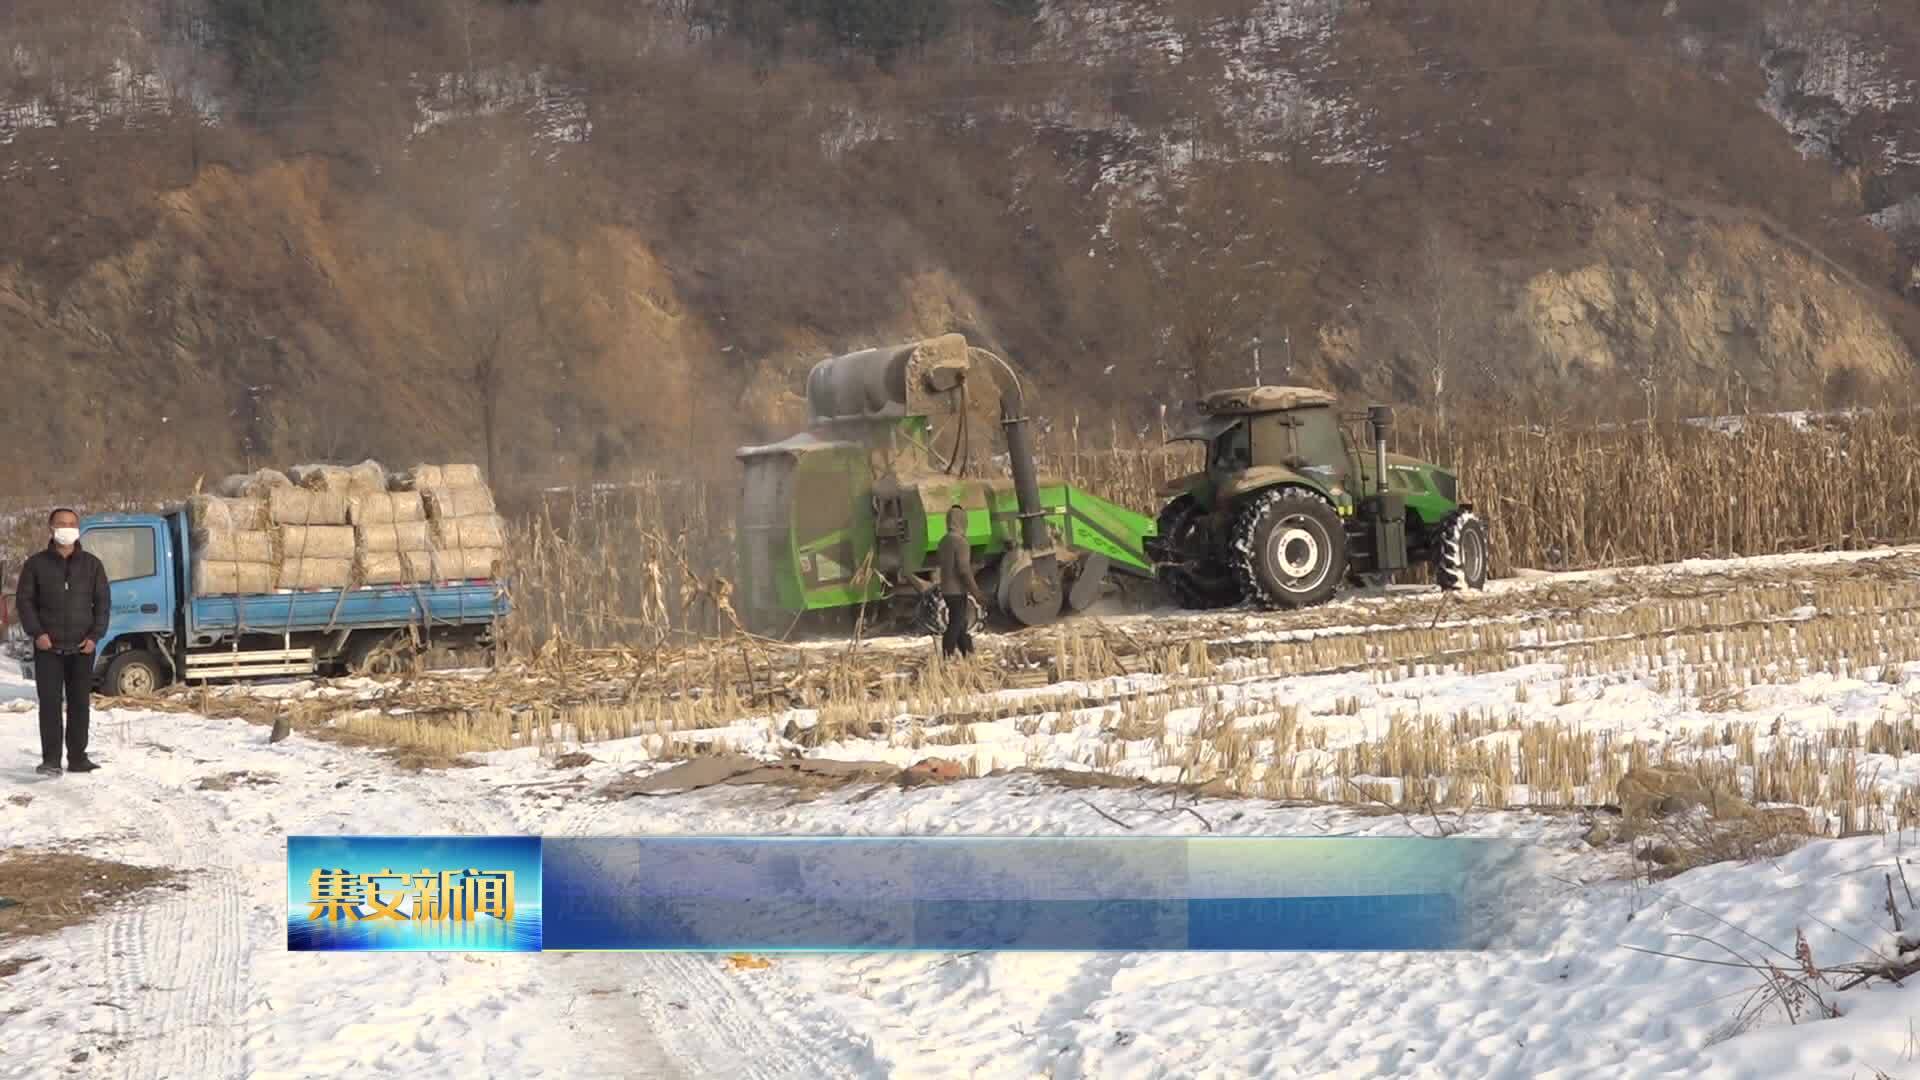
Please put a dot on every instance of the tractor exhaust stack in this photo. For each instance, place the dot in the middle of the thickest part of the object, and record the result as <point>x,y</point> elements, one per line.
<point>1380,420</point>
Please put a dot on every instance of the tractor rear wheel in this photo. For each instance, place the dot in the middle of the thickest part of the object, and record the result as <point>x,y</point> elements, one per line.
<point>1292,548</point>
<point>1460,558</point>
<point>1200,581</point>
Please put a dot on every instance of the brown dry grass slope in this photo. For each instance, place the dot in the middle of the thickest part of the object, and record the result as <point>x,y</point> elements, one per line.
<point>629,232</point>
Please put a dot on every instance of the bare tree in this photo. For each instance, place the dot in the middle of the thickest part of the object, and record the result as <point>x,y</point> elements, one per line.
<point>497,325</point>
<point>1447,308</point>
<point>1219,256</point>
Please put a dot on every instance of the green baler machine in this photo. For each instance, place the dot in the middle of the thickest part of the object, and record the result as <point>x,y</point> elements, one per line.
<point>848,515</point>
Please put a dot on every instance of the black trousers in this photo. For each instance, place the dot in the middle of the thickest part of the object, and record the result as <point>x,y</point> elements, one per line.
<point>60,676</point>
<point>958,639</point>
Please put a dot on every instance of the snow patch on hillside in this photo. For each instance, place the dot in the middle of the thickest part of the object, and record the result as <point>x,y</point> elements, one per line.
<point>127,96</point>
<point>851,130</point>
<point>557,110</point>
<point>1259,67</point>
<point>1818,83</point>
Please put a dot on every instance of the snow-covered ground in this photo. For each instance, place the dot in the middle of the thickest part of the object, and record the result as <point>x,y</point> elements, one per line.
<point>197,982</point>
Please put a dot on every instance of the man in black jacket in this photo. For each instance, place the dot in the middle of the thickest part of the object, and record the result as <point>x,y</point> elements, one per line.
<point>62,602</point>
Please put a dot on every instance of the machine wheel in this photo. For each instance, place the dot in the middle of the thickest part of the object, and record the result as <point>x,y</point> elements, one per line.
<point>1031,591</point>
<point>1460,559</point>
<point>1292,548</point>
<point>379,654</point>
<point>930,614</point>
<point>1201,584</point>
<point>1088,584</point>
<point>133,674</point>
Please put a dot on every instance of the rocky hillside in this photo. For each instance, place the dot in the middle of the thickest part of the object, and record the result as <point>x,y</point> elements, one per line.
<point>579,235</point>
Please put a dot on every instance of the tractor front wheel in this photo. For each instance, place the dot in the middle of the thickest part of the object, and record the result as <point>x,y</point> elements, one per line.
<point>1460,559</point>
<point>1199,580</point>
<point>1292,548</point>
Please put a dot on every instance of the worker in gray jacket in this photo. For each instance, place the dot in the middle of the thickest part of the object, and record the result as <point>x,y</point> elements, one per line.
<point>957,583</point>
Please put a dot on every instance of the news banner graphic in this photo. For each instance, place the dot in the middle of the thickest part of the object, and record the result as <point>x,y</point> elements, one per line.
<point>876,894</point>
<point>413,893</point>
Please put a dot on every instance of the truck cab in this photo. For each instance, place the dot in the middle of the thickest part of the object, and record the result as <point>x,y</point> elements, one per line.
<point>143,569</point>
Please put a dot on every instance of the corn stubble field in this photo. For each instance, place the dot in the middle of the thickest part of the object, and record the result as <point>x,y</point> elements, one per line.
<point>1785,696</point>
<point>1753,686</point>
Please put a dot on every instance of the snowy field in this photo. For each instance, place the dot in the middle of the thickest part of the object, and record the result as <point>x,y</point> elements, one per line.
<point>196,982</point>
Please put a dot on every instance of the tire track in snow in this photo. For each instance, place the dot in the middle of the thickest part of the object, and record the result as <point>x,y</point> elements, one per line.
<point>175,964</point>
<point>711,1023</point>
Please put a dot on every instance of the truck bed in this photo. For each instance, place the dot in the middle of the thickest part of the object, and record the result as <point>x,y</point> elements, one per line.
<point>400,605</point>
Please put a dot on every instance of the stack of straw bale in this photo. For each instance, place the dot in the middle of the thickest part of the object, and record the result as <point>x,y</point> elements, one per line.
<point>334,527</point>
<point>469,536</point>
<point>234,546</point>
<point>253,485</point>
<point>393,544</point>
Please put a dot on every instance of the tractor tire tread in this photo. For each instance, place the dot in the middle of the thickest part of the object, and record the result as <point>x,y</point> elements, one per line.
<point>1272,505</point>
<point>1186,590</point>
<point>1450,569</point>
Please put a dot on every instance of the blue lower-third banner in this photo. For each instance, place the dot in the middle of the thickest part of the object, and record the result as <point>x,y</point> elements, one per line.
<point>838,894</point>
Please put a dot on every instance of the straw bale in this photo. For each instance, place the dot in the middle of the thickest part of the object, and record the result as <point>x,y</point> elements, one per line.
<point>477,531</point>
<point>466,563</point>
<point>214,513</point>
<point>231,578</point>
<point>235,546</point>
<point>316,573</point>
<point>395,567</point>
<point>328,478</point>
<point>298,506</point>
<point>403,536</point>
<point>316,542</point>
<point>457,502</point>
<point>367,478</point>
<point>425,477</point>
<point>253,485</point>
<point>385,508</point>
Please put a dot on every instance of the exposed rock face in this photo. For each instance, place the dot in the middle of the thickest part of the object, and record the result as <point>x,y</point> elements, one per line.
<point>1698,299</point>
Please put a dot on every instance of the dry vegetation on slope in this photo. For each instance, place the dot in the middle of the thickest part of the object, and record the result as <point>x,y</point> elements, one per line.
<point>624,229</point>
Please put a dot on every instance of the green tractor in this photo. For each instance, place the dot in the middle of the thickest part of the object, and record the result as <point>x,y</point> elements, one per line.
<point>1289,507</point>
<point>846,517</point>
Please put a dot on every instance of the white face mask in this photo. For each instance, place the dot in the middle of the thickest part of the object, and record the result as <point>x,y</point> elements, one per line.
<point>66,537</point>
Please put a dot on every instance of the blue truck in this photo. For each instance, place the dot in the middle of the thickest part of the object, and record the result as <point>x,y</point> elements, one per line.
<point>160,634</point>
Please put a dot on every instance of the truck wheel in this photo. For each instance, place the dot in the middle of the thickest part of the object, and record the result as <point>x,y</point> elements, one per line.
<point>1197,581</point>
<point>1292,548</point>
<point>379,654</point>
<point>1460,559</point>
<point>133,674</point>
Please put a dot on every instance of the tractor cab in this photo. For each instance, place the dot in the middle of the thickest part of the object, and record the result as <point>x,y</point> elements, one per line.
<point>1266,434</point>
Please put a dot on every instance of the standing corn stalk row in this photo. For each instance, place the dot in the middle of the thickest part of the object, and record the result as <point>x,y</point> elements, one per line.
<point>653,559</point>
